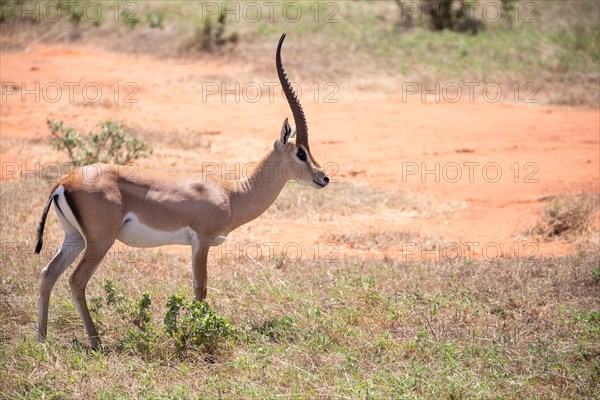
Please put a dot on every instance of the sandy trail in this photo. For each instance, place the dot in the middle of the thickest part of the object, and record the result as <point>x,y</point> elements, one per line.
<point>486,165</point>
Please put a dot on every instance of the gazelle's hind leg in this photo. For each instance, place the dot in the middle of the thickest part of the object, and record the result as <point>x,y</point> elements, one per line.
<point>92,257</point>
<point>68,252</point>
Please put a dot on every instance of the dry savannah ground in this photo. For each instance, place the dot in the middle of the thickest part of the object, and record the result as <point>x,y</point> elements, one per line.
<point>454,255</point>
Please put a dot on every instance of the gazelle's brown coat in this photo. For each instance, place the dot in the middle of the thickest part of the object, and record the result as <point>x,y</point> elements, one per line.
<point>99,204</point>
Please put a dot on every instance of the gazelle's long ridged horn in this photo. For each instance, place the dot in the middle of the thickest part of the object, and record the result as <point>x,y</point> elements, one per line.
<point>293,101</point>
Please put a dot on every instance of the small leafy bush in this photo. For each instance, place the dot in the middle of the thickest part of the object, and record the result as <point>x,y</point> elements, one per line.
<point>212,35</point>
<point>590,321</point>
<point>194,323</point>
<point>190,325</point>
<point>277,329</point>
<point>110,145</point>
<point>455,15</point>
<point>596,276</point>
<point>155,20</point>
<point>140,334</point>
<point>74,9</point>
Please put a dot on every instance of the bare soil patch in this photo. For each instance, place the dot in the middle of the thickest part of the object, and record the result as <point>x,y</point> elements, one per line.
<point>476,172</point>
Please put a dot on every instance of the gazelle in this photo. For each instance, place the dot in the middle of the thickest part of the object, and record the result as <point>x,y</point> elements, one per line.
<point>99,204</point>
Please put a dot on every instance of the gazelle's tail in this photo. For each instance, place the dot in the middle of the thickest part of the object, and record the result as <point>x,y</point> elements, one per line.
<point>40,230</point>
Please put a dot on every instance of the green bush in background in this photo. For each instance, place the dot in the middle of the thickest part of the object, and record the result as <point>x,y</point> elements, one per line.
<point>110,145</point>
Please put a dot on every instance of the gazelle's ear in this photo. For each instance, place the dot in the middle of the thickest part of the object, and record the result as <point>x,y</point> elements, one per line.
<point>286,132</point>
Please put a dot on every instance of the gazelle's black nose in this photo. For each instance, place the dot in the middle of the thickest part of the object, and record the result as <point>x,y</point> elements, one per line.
<point>326,179</point>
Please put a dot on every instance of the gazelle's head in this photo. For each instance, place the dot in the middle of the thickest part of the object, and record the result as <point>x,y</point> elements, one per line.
<point>299,163</point>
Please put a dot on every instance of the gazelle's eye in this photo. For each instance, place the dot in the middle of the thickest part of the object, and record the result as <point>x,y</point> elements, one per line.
<point>301,154</point>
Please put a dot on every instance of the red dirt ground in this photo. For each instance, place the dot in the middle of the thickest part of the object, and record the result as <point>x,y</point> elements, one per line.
<point>373,137</point>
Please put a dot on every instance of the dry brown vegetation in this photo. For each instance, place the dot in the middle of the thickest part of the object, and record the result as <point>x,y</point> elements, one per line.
<point>568,216</point>
<point>353,199</point>
<point>379,240</point>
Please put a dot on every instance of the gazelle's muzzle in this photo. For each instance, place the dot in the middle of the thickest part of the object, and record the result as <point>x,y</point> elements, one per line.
<point>321,179</point>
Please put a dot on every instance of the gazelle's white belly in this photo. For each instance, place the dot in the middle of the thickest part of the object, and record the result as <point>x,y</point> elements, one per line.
<point>136,234</point>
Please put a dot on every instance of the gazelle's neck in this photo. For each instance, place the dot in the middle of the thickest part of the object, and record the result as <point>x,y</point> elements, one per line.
<point>251,195</point>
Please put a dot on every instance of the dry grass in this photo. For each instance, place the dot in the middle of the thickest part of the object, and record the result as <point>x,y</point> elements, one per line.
<point>567,216</point>
<point>178,140</point>
<point>519,329</point>
<point>379,240</point>
<point>351,199</point>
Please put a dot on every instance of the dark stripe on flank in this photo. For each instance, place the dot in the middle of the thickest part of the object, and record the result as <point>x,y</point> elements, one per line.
<point>73,206</point>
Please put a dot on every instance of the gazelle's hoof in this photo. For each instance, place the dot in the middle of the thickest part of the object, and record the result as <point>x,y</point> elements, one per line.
<point>96,345</point>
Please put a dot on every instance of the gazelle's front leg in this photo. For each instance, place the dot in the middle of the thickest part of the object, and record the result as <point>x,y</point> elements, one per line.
<point>199,259</point>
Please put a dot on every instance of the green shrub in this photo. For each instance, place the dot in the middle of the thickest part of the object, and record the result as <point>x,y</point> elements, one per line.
<point>141,337</point>
<point>74,10</point>
<point>194,323</point>
<point>596,275</point>
<point>277,328</point>
<point>455,15</point>
<point>155,20</point>
<point>140,334</point>
<point>212,34</point>
<point>590,321</point>
<point>110,145</point>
